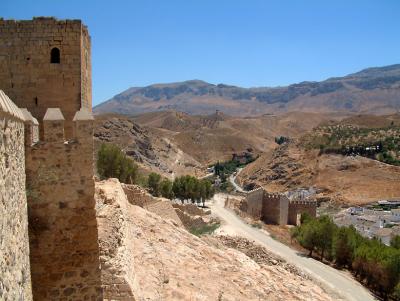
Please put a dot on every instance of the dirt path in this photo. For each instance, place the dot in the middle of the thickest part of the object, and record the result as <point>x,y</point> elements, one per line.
<point>340,284</point>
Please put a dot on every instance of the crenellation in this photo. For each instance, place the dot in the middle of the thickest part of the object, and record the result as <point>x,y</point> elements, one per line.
<point>53,85</point>
<point>61,175</point>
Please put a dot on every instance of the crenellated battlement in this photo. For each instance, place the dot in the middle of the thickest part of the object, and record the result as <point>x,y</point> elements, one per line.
<point>54,128</point>
<point>272,195</point>
<point>46,162</point>
<point>311,203</point>
<point>60,176</point>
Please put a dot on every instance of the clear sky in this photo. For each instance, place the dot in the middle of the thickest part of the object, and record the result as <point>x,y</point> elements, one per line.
<point>241,42</point>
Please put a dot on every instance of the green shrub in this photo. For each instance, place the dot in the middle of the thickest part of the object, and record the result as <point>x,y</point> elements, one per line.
<point>113,163</point>
<point>203,230</point>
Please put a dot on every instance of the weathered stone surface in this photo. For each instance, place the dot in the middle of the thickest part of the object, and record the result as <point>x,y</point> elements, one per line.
<point>38,84</point>
<point>62,220</point>
<point>15,278</point>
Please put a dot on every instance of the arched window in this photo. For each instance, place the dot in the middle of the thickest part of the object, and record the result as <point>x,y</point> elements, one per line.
<point>55,56</point>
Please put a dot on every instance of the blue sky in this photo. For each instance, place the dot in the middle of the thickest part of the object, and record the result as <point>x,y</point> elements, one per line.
<point>241,42</point>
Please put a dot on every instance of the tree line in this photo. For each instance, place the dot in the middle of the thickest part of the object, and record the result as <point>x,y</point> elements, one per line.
<point>112,162</point>
<point>372,262</point>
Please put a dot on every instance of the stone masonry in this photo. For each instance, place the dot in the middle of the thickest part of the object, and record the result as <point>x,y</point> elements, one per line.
<point>298,207</point>
<point>30,73</point>
<point>62,218</point>
<point>15,276</point>
<point>275,208</point>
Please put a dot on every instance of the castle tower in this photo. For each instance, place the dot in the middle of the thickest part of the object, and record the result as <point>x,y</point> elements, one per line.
<point>45,63</point>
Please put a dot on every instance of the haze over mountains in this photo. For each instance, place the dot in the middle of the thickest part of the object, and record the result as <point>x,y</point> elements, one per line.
<point>372,90</point>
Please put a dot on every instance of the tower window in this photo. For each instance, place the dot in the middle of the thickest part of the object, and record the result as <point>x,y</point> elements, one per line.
<point>55,56</point>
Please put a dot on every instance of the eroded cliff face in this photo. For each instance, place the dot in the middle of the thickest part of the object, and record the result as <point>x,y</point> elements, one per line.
<point>146,257</point>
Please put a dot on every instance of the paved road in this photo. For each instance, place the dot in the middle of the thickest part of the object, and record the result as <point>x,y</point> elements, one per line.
<point>339,284</point>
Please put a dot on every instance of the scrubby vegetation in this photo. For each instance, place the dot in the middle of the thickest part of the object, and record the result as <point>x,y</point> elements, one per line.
<point>373,263</point>
<point>382,144</point>
<point>203,230</point>
<point>112,162</point>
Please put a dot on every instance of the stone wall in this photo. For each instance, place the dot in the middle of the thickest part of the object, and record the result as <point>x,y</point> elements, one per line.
<point>62,218</point>
<point>138,196</point>
<point>297,207</point>
<point>163,208</point>
<point>15,279</point>
<point>189,221</point>
<point>116,242</point>
<point>255,203</point>
<point>31,80</point>
<point>275,208</point>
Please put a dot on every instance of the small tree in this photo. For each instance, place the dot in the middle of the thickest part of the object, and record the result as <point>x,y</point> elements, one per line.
<point>154,182</point>
<point>113,163</point>
<point>166,189</point>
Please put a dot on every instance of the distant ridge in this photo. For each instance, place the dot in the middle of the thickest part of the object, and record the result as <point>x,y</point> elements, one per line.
<point>373,90</point>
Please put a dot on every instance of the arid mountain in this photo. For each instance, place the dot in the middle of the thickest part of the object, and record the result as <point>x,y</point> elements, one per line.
<point>176,143</point>
<point>373,90</point>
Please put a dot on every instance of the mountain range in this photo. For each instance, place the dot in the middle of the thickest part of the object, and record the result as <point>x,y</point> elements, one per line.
<point>370,91</point>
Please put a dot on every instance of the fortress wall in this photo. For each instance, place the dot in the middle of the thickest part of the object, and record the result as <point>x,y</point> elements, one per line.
<point>15,277</point>
<point>62,218</point>
<point>296,208</point>
<point>275,209</point>
<point>189,221</point>
<point>31,80</point>
<point>116,239</point>
<point>254,201</point>
<point>140,197</point>
<point>137,195</point>
<point>164,209</point>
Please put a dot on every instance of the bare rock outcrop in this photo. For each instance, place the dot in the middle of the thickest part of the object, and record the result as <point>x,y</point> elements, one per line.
<point>145,257</point>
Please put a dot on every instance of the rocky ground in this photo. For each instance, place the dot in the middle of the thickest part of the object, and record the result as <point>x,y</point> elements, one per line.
<point>158,260</point>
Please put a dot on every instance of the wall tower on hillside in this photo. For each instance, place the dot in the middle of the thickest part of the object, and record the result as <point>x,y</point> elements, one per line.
<point>46,63</point>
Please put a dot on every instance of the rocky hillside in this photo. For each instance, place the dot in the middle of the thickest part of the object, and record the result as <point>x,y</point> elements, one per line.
<point>344,180</point>
<point>209,138</point>
<point>373,90</point>
<point>153,152</point>
<point>146,257</point>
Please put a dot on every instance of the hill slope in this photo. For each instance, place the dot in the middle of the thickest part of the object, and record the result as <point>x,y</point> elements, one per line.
<point>373,90</point>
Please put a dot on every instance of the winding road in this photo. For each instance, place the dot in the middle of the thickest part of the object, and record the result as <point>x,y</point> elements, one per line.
<point>340,285</point>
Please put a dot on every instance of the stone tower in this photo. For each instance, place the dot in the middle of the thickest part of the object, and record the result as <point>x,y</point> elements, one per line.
<point>45,63</point>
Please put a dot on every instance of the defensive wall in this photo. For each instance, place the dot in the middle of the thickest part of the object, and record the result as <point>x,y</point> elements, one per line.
<point>298,207</point>
<point>62,219</point>
<point>276,208</point>
<point>48,229</point>
<point>15,274</point>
